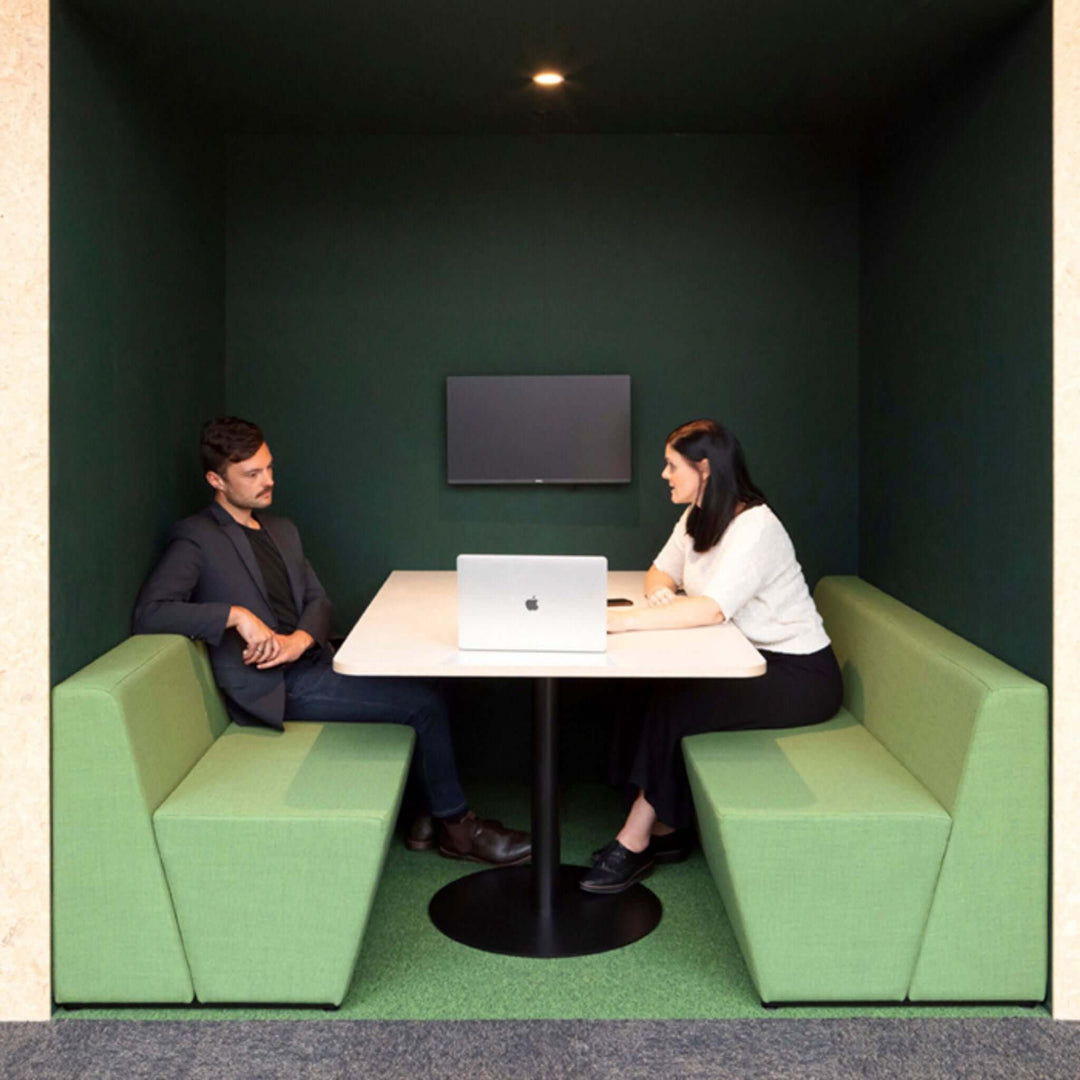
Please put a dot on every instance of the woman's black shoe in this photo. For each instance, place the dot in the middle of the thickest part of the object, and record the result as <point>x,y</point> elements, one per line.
<point>616,868</point>
<point>672,847</point>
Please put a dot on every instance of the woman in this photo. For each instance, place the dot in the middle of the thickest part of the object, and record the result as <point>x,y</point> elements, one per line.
<point>734,560</point>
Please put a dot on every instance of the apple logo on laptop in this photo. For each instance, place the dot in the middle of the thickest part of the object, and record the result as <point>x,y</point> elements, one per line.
<point>532,603</point>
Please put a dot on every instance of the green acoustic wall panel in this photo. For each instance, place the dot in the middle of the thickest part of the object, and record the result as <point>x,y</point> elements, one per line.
<point>955,352</point>
<point>720,272</point>
<point>137,327</point>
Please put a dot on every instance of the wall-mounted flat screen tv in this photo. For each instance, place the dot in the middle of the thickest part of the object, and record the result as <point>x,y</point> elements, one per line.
<point>538,429</point>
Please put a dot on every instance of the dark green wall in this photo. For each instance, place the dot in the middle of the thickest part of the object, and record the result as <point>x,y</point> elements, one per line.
<point>737,276</point>
<point>719,272</point>
<point>955,343</point>
<point>137,316</point>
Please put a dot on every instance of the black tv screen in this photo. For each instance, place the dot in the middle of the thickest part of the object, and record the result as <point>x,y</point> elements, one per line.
<point>538,429</point>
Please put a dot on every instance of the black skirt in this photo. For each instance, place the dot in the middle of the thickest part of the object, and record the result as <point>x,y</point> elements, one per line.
<point>795,691</point>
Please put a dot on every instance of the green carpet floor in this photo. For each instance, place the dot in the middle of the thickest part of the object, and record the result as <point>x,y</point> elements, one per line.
<point>688,968</point>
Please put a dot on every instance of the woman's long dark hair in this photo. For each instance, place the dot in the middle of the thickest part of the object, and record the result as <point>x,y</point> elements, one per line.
<point>729,480</point>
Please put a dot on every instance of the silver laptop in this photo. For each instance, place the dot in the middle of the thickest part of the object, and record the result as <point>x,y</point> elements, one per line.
<point>532,603</point>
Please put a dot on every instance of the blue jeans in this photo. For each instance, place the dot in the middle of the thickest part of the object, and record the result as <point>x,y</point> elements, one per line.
<point>315,691</point>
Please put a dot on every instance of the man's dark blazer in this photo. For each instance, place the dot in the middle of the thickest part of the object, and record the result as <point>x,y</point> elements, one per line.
<point>207,568</point>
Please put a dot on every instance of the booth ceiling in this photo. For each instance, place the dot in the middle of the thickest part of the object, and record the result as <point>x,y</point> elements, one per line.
<point>464,66</point>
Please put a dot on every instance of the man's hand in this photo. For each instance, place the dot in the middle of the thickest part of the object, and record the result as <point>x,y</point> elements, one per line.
<point>262,642</point>
<point>290,647</point>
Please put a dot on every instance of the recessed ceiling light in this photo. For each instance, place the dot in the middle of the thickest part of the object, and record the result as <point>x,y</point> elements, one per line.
<point>547,78</point>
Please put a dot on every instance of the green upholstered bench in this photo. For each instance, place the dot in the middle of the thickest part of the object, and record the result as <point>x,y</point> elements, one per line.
<point>196,858</point>
<point>898,851</point>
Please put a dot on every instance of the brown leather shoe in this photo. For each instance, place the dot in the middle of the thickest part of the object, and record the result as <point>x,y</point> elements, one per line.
<point>421,834</point>
<point>481,841</point>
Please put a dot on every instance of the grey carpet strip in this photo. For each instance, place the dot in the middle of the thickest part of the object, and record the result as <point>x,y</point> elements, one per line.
<point>1012,1049</point>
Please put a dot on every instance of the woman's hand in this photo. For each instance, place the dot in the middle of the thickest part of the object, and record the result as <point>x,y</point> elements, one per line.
<point>659,587</point>
<point>680,612</point>
<point>659,597</point>
<point>620,620</point>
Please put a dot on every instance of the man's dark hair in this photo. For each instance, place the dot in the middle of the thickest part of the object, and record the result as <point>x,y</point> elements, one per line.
<point>228,439</point>
<point>729,480</point>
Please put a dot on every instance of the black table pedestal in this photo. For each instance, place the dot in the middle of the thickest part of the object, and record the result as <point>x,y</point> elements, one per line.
<point>539,910</point>
<point>493,910</point>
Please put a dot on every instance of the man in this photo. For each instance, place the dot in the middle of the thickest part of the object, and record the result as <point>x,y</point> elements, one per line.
<point>235,577</point>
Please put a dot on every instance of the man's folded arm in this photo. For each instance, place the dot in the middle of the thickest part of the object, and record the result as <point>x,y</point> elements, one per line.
<point>315,617</point>
<point>164,605</point>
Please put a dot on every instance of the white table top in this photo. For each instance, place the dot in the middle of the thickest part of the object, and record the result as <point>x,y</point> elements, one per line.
<point>410,628</point>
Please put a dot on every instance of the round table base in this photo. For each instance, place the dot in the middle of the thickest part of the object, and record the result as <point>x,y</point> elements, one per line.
<point>494,910</point>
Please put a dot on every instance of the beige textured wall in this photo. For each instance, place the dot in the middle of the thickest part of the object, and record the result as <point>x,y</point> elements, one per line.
<point>1065,990</point>
<point>24,749</point>
<point>24,510</point>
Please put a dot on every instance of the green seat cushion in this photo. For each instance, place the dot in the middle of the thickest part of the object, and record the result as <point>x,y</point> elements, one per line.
<point>826,851</point>
<point>273,846</point>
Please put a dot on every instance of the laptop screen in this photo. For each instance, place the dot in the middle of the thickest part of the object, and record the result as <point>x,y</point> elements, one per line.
<point>532,603</point>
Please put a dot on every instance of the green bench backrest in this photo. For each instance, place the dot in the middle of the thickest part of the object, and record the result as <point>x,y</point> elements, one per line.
<point>975,732</point>
<point>125,731</point>
<point>919,688</point>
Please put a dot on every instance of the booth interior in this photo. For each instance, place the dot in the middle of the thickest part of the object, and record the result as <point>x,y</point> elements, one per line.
<point>826,225</point>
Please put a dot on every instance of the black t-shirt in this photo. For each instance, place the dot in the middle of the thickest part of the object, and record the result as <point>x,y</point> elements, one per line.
<point>275,578</point>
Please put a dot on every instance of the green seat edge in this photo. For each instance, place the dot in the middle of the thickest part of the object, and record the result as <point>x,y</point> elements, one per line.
<point>98,925</point>
<point>226,984</point>
<point>995,873</point>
